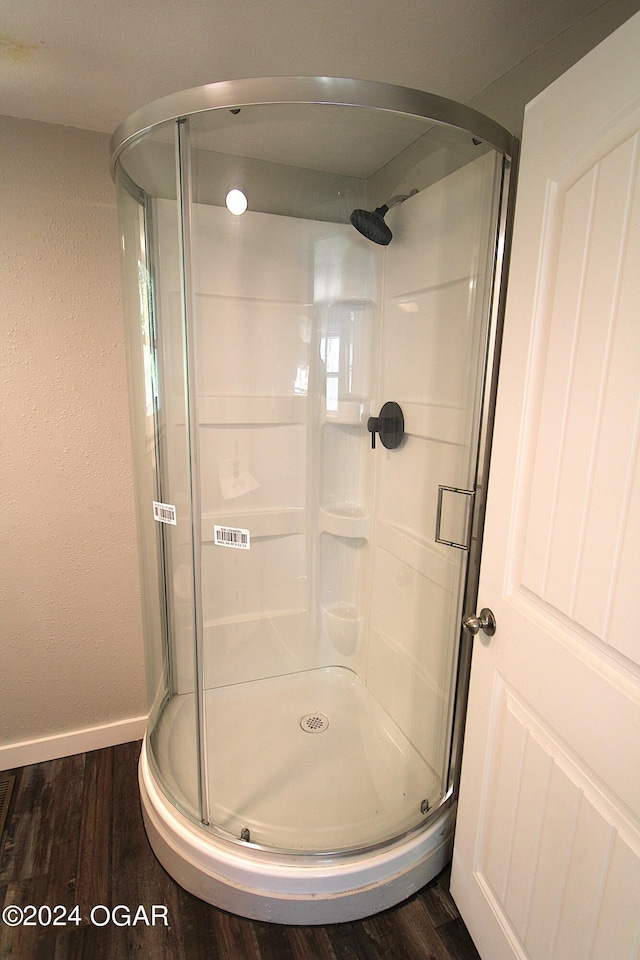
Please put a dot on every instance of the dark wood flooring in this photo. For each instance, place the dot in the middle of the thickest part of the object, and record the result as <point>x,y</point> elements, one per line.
<point>74,835</point>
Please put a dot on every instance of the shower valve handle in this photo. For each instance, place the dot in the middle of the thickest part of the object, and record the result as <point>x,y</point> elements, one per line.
<point>389,425</point>
<point>373,425</point>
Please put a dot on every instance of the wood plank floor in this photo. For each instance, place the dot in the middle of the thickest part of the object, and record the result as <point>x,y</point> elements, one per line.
<point>74,835</point>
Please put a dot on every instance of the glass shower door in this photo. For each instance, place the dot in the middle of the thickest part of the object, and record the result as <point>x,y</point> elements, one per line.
<point>330,603</point>
<point>157,372</point>
<point>437,279</point>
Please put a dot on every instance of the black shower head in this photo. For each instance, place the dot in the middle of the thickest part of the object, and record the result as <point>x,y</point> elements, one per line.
<point>371,223</point>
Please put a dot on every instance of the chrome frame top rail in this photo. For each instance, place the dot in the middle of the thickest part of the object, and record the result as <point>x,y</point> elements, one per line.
<point>231,94</point>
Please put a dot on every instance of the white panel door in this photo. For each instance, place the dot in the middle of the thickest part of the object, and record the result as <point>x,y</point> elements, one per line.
<point>547,854</point>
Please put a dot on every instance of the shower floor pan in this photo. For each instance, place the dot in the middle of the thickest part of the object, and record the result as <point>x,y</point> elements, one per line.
<point>307,762</point>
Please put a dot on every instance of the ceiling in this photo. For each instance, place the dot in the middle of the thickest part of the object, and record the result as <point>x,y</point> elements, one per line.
<point>89,63</point>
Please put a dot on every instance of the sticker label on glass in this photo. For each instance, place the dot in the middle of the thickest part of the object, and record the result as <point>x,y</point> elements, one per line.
<point>164,512</point>
<point>231,537</point>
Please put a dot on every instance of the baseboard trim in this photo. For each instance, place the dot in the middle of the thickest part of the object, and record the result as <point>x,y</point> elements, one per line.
<point>76,741</point>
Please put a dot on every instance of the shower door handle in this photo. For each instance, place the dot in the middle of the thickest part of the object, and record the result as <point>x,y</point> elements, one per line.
<point>485,621</point>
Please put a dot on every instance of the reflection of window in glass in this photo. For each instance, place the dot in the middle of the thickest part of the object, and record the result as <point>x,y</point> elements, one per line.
<point>332,358</point>
<point>350,367</point>
<point>332,393</point>
<point>150,370</point>
<point>330,353</point>
<point>301,383</point>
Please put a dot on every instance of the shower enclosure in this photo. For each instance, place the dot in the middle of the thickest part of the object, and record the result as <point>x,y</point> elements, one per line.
<point>311,412</point>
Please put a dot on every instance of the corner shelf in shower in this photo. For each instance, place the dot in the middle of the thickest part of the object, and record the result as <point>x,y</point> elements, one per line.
<point>255,645</point>
<point>214,411</point>
<point>346,520</point>
<point>260,523</point>
<point>341,521</point>
<point>430,421</point>
<point>350,413</point>
<point>287,409</point>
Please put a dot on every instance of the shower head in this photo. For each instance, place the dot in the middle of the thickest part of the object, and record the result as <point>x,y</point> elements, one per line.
<point>370,223</point>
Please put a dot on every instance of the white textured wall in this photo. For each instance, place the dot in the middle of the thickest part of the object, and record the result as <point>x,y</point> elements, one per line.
<point>71,652</point>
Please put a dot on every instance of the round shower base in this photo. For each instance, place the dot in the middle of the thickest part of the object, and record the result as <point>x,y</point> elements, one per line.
<point>290,888</point>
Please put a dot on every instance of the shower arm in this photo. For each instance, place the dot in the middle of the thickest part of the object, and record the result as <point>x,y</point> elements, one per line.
<point>399,198</point>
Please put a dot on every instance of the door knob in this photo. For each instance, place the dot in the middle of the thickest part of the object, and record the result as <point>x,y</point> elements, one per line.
<point>485,621</point>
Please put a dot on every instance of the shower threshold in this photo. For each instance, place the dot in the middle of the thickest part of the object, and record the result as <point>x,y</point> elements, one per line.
<point>356,782</point>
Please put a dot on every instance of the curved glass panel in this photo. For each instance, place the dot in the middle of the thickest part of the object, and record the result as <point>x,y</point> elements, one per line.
<point>162,464</point>
<point>330,534</point>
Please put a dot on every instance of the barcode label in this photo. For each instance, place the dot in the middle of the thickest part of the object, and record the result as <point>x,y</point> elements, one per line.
<point>231,537</point>
<point>164,512</point>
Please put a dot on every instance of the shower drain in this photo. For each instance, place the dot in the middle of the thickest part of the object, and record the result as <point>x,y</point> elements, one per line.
<point>314,723</point>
